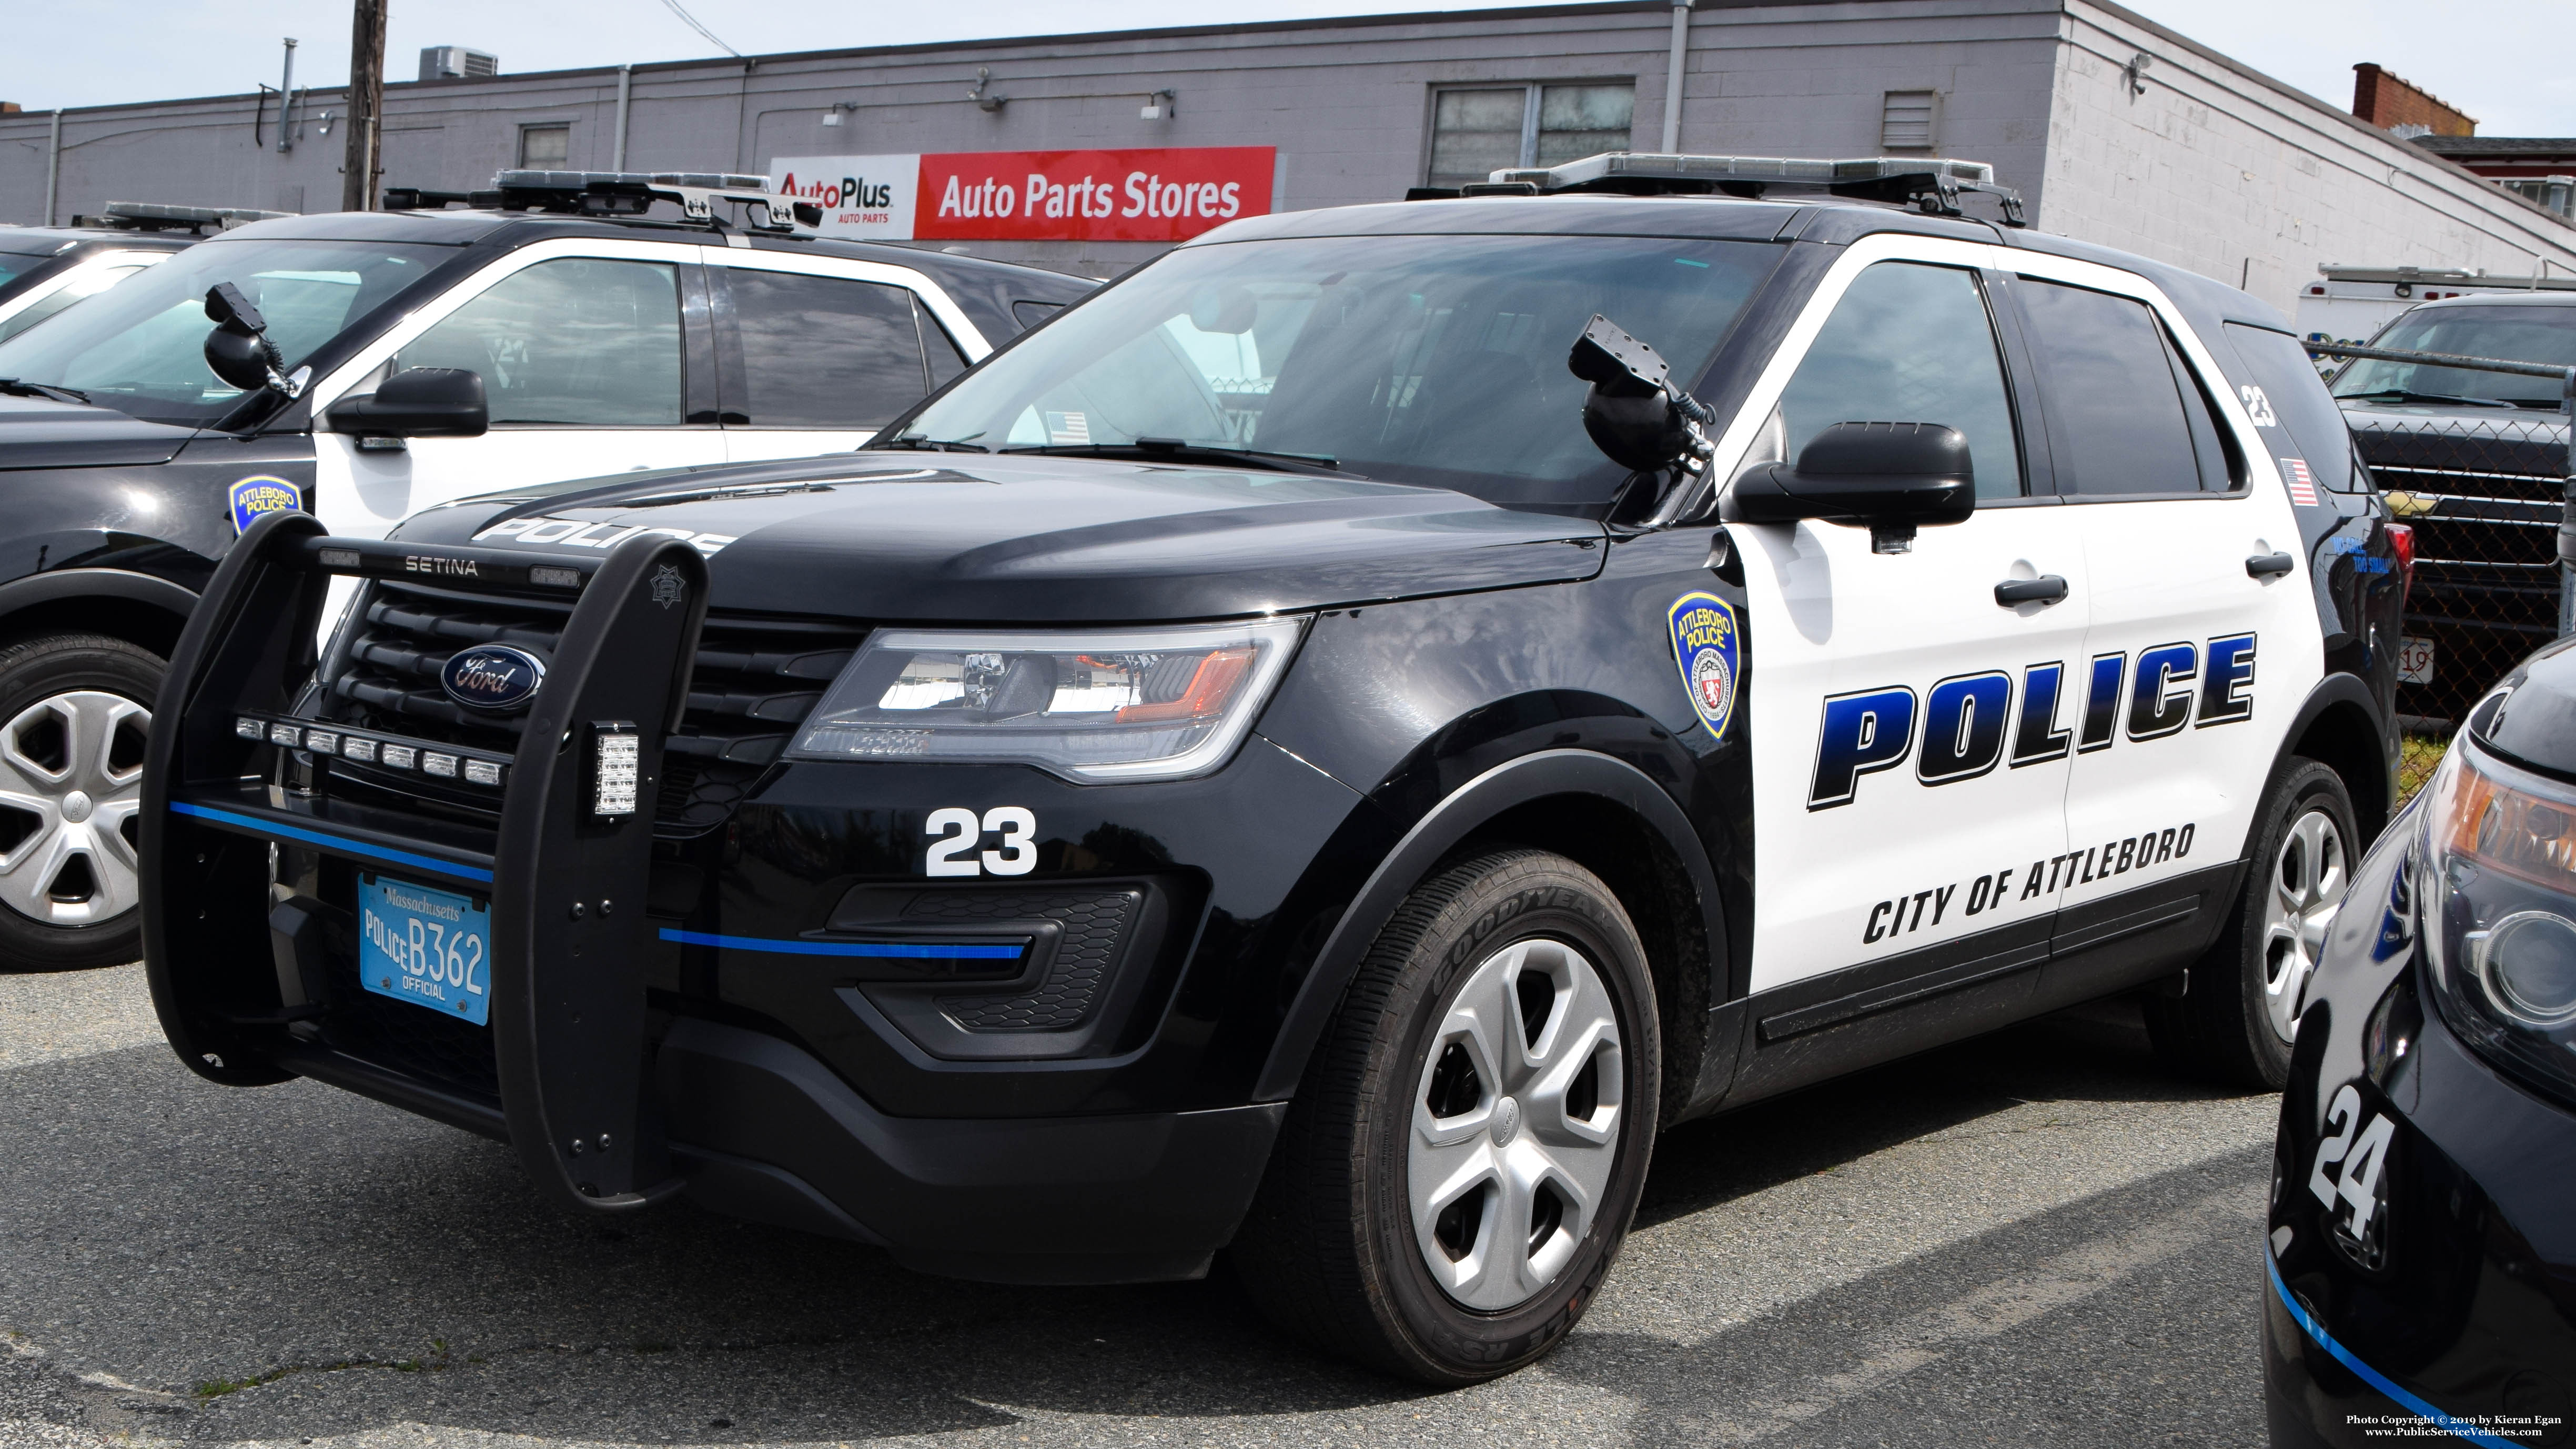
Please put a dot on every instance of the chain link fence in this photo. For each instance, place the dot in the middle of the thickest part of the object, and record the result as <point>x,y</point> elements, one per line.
<point>2472,454</point>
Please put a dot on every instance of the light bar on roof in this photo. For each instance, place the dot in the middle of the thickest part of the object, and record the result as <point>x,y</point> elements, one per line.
<point>1933,182</point>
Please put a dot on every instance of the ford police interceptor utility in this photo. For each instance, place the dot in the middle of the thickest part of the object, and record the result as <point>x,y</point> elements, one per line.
<point>1322,750</point>
<point>368,365</point>
<point>44,269</point>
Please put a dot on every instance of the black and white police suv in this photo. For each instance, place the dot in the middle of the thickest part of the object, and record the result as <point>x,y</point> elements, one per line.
<point>361,366</point>
<point>1323,749</point>
<point>2422,1253</point>
<point>44,269</point>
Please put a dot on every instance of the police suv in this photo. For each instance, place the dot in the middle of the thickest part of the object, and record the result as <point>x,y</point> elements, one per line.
<point>44,269</point>
<point>360,366</point>
<point>1324,749</point>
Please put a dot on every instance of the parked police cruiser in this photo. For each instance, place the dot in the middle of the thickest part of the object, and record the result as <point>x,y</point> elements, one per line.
<point>1324,749</point>
<point>44,269</point>
<point>373,364</point>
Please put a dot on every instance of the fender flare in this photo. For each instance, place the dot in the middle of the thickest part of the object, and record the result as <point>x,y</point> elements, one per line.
<point>1514,782</point>
<point>2337,689</point>
<point>56,585</point>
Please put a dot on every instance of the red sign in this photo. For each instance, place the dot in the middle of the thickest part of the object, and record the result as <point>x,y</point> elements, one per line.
<point>1150,196</point>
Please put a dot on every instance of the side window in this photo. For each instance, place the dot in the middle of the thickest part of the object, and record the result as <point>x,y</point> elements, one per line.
<point>1910,343</point>
<point>2125,416</point>
<point>575,341</point>
<point>2294,401</point>
<point>826,352</point>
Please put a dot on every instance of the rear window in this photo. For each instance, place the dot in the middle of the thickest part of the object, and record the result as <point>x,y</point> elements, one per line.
<point>2303,421</point>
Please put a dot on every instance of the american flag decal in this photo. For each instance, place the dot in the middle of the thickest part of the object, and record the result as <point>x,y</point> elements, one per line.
<point>2303,484</point>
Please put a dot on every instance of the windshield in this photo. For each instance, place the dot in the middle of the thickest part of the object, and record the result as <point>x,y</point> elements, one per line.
<point>140,346</point>
<point>2516,334</point>
<point>1436,360</point>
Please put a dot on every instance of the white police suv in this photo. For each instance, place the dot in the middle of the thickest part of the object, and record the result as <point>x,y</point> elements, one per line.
<point>1323,749</point>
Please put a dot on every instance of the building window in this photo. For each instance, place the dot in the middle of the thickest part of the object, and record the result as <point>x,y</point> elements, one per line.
<point>546,148</point>
<point>2557,193</point>
<point>1480,130</point>
<point>1905,121</point>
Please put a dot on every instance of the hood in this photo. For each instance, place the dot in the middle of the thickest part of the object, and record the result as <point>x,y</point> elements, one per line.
<point>2445,437</point>
<point>944,537</point>
<point>39,432</point>
<point>2530,717</point>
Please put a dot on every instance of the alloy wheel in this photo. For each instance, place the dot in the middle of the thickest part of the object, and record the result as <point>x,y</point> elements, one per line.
<point>1516,1122</point>
<point>2308,878</point>
<point>71,783</point>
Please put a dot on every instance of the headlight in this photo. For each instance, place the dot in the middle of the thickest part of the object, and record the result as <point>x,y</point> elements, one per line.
<point>1092,705</point>
<point>2499,857</point>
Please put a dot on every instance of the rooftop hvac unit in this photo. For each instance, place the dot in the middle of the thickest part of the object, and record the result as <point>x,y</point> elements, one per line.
<point>457,62</point>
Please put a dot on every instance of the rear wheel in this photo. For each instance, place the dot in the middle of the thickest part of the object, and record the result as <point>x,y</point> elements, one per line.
<point>1468,1145</point>
<point>2235,1021</point>
<point>74,709</point>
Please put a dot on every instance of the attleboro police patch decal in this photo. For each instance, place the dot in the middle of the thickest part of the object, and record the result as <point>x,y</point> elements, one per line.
<point>1708,644</point>
<point>260,494</point>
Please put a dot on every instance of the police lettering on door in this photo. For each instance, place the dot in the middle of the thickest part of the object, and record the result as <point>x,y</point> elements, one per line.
<point>1969,724</point>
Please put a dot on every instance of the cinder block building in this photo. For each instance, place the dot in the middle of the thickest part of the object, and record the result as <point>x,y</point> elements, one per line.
<point>2115,129</point>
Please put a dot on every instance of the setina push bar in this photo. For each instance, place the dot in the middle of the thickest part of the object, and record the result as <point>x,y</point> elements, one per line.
<point>233,965</point>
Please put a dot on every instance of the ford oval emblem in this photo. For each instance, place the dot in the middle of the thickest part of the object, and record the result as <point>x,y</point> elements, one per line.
<point>492,677</point>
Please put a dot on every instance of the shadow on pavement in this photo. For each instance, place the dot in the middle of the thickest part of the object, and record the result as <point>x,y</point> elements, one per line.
<point>179,1235</point>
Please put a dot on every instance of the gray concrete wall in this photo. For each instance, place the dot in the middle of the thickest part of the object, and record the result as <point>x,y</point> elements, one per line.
<point>2234,175</point>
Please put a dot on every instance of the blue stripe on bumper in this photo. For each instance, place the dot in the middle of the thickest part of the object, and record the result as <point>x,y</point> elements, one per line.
<point>2372,1376</point>
<point>843,948</point>
<point>330,842</point>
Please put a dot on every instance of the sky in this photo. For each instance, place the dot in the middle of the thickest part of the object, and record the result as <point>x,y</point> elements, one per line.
<point>2506,62</point>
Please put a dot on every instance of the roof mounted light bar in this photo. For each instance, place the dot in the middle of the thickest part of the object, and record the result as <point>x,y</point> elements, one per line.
<point>159,216</point>
<point>624,193</point>
<point>1932,184</point>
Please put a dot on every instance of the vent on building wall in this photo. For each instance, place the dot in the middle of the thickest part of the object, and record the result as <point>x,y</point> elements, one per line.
<point>457,62</point>
<point>1905,121</point>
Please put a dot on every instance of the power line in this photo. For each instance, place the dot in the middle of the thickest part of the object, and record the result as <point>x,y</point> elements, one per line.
<point>692,22</point>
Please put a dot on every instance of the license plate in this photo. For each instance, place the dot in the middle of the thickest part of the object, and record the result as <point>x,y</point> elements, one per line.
<point>2414,660</point>
<point>431,948</point>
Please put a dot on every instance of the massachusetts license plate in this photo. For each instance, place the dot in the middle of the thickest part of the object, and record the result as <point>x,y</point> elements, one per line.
<point>2415,660</point>
<point>431,948</point>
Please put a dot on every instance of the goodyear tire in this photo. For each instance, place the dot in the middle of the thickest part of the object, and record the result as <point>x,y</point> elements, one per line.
<point>73,712</point>
<point>1467,1147</point>
<point>2234,1022</point>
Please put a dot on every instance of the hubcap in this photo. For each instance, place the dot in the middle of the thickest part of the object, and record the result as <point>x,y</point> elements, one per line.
<point>2307,884</point>
<point>1515,1125</point>
<point>71,780</point>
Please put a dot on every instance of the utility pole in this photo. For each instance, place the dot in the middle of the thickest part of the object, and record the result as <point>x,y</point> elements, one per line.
<point>366,107</point>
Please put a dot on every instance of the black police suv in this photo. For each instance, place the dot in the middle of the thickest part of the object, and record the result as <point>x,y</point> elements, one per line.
<point>2476,464</point>
<point>1321,750</point>
<point>44,269</point>
<point>2422,1259</point>
<point>380,363</point>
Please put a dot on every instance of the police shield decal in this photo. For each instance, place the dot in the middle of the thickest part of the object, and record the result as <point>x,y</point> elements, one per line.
<point>253,496</point>
<point>1708,645</point>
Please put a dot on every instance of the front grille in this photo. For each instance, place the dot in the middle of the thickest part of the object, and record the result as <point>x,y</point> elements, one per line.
<point>755,681</point>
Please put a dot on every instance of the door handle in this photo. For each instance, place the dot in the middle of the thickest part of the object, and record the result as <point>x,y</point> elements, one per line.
<point>2046,589</point>
<point>2265,565</point>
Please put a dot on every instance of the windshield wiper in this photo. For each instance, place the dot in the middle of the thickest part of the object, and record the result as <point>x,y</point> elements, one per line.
<point>2400,394</point>
<point>915,442</point>
<point>1175,448</point>
<point>15,388</point>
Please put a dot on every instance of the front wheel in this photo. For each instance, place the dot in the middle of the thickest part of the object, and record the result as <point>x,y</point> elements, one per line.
<point>2235,1020</point>
<point>74,709</point>
<point>1467,1147</point>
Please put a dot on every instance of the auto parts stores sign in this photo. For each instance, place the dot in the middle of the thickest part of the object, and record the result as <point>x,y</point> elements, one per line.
<point>1165,195</point>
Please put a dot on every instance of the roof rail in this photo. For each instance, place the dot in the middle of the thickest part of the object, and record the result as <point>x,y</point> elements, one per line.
<point>625,193</point>
<point>160,216</point>
<point>1932,184</point>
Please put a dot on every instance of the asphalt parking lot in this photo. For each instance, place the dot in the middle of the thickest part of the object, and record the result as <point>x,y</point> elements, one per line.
<point>2032,1238</point>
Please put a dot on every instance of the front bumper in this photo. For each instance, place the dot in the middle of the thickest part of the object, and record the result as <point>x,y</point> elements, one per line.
<point>1084,1116</point>
<point>2459,1321</point>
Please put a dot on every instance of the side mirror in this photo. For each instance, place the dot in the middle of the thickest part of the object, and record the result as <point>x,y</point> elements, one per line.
<point>417,402</point>
<point>1633,412</point>
<point>1888,477</point>
<point>238,350</point>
